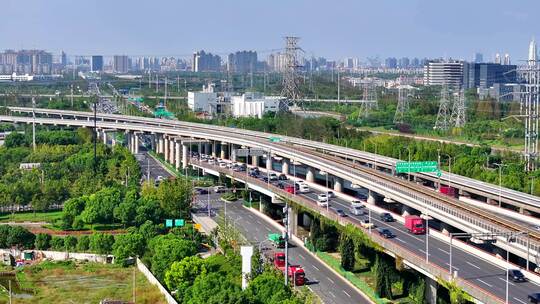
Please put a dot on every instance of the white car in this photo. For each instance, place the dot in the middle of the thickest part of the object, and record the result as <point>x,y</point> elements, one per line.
<point>357,203</point>
<point>211,161</point>
<point>272,176</point>
<point>304,188</point>
<point>323,197</point>
<point>220,189</point>
<point>223,165</point>
<point>356,211</point>
<point>322,204</point>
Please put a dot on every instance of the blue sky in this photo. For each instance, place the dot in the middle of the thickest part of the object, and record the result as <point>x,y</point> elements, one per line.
<point>334,29</point>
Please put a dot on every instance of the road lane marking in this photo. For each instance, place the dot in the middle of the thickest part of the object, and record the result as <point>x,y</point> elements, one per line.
<point>331,281</point>
<point>484,283</point>
<point>348,295</point>
<point>471,264</point>
<point>508,281</point>
<point>520,301</point>
<point>316,268</point>
<point>302,256</point>
<point>259,222</point>
<point>268,229</point>
<point>332,294</point>
<point>250,216</point>
<point>453,266</point>
<point>400,240</point>
<point>444,251</point>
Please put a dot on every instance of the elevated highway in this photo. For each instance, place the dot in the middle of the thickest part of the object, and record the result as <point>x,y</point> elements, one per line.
<point>174,140</point>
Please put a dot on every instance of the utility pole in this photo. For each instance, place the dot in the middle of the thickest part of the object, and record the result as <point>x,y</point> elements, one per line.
<point>71,96</point>
<point>402,105</point>
<point>33,123</point>
<point>95,134</point>
<point>443,119</point>
<point>338,87</point>
<point>290,77</point>
<point>458,119</point>
<point>134,290</point>
<point>165,98</point>
<point>286,222</point>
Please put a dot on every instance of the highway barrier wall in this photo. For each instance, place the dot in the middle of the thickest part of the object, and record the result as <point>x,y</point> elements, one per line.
<point>152,279</point>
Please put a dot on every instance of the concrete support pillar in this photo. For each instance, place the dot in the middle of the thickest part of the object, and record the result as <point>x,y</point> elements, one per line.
<point>214,148</point>
<point>255,160</point>
<point>153,142</point>
<point>199,148</point>
<point>310,176</point>
<point>113,139</point>
<point>233,156</point>
<point>177,152</point>
<point>372,198</point>
<point>172,157</point>
<point>338,184</point>
<point>184,156</point>
<point>135,143</point>
<point>269,162</point>
<point>207,148</point>
<point>127,135</point>
<point>166,149</point>
<point>431,291</point>
<point>285,166</point>
<point>104,137</point>
<point>293,221</point>
<point>160,143</point>
<point>224,147</point>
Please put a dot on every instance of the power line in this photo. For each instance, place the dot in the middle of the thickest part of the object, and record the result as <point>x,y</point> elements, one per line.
<point>443,116</point>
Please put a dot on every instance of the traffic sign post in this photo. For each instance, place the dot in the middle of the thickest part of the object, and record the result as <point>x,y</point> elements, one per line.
<point>417,166</point>
<point>179,223</point>
<point>168,223</point>
<point>274,139</point>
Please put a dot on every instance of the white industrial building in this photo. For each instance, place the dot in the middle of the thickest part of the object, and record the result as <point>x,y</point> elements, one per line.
<point>448,73</point>
<point>253,104</point>
<point>15,77</point>
<point>204,100</point>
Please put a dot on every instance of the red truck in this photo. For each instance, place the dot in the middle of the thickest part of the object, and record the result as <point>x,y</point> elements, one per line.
<point>296,271</point>
<point>415,224</point>
<point>448,191</point>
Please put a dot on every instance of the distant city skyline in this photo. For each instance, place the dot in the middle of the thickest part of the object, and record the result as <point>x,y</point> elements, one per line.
<point>390,28</point>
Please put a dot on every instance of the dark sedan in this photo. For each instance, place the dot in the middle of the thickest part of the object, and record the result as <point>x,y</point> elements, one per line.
<point>386,233</point>
<point>534,297</point>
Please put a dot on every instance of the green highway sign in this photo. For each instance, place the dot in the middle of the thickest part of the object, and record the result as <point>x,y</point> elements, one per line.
<point>179,223</point>
<point>168,223</point>
<point>417,166</point>
<point>274,139</point>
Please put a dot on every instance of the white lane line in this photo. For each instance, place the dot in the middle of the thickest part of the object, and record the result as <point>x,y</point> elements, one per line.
<point>472,265</point>
<point>332,294</point>
<point>484,283</point>
<point>250,216</point>
<point>452,266</point>
<point>259,222</point>
<point>268,229</point>
<point>444,251</point>
<point>520,301</point>
<point>508,282</point>
<point>257,229</point>
<point>316,268</point>
<point>331,281</point>
<point>303,258</point>
<point>348,295</point>
<point>400,240</point>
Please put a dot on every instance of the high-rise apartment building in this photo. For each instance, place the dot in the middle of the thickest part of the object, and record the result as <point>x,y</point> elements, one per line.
<point>390,63</point>
<point>96,63</point>
<point>448,73</point>
<point>478,58</point>
<point>485,75</point>
<point>404,63</point>
<point>242,62</point>
<point>26,62</point>
<point>120,64</point>
<point>206,62</point>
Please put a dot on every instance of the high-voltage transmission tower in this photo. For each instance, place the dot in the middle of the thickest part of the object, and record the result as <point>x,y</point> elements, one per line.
<point>369,98</point>
<point>402,105</point>
<point>443,116</point>
<point>530,110</point>
<point>458,118</point>
<point>291,89</point>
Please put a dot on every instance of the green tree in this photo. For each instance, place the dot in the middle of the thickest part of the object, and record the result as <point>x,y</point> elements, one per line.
<point>43,241</point>
<point>268,288</point>
<point>101,243</point>
<point>70,243</point>
<point>174,196</point>
<point>57,243</point>
<point>346,249</point>
<point>126,211</point>
<point>20,237</point>
<point>166,249</point>
<point>213,288</point>
<point>383,283</point>
<point>15,139</point>
<point>72,208</point>
<point>128,245</point>
<point>100,206</point>
<point>83,245</point>
<point>181,275</point>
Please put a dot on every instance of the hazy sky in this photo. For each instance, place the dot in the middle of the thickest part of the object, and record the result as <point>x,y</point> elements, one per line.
<point>331,28</point>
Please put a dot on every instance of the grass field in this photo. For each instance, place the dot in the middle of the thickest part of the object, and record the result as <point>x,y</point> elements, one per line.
<point>67,282</point>
<point>49,217</point>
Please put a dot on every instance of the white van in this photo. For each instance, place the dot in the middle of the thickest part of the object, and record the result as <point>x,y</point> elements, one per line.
<point>304,188</point>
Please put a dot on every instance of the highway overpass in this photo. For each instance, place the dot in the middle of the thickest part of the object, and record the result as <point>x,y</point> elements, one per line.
<point>347,168</point>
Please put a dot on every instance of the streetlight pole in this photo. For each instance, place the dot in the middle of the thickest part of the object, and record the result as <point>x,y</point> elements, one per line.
<point>500,181</point>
